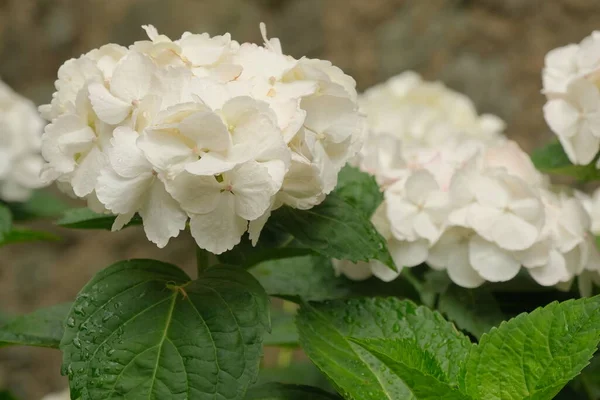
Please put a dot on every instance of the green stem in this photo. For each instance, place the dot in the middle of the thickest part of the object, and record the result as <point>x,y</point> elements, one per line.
<point>202,260</point>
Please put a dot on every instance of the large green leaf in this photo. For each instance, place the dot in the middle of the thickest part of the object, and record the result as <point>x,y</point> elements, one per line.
<point>334,229</point>
<point>474,310</point>
<point>326,330</point>
<point>534,355</point>
<point>141,329</point>
<point>298,372</point>
<point>552,159</point>
<point>84,218</point>
<point>313,278</point>
<point>42,328</point>
<point>278,391</point>
<point>416,367</point>
<point>359,189</point>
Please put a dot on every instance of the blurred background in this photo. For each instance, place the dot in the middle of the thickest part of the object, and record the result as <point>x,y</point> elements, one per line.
<point>491,50</point>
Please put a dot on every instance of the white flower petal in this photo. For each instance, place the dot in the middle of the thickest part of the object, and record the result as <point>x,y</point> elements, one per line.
<point>408,254</point>
<point>460,270</point>
<point>166,151</point>
<point>132,78</point>
<point>491,262</point>
<point>107,107</point>
<point>383,272</point>
<point>196,194</point>
<point>221,229</point>
<point>162,216</point>
<point>551,273</point>
<point>253,188</point>
<point>207,130</point>
<point>87,172</point>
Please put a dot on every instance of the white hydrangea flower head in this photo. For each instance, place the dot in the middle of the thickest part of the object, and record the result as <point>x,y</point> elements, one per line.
<point>571,80</point>
<point>425,113</point>
<point>200,129</point>
<point>20,145</point>
<point>461,197</point>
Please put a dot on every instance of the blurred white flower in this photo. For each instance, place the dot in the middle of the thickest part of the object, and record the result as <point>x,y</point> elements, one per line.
<point>571,77</point>
<point>20,144</point>
<point>202,129</point>
<point>462,198</point>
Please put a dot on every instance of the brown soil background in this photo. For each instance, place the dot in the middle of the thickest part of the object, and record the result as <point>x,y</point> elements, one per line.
<point>492,50</point>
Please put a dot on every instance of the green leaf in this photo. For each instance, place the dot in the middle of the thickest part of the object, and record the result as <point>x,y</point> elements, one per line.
<point>552,159</point>
<point>84,218</point>
<point>334,229</point>
<point>41,328</point>
<point>278,391</point>
<point>589,380</point>
<point>141,329</point>
<point>23,235</point>
<point>359,189</point>
<point>534,355</point>
<point>474,310</point>
<point>5,221</point>
<point>326,328</point>
<point>313,278</point>
<point>283,331</point>
<point>416,367</point>
<point>41,204</point>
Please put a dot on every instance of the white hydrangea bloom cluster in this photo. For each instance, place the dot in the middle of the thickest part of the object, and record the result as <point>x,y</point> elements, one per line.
<point>202,129</point>
<point>571,79</point>
<point>475,207</point>
<point>20,143</point>
<point>425,112</point>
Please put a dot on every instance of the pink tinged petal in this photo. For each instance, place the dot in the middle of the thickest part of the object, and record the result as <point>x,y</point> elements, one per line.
<point>122,195</point>
<point>121,221</point>
<point>162,216</point>
<point>562,117</point>
<point>359,271</point>
<point>166,151</point>
<point>253,188</point>
<point>551,273</point>
<point>125,157</point>
<point>107,107</point>
<point>383,272</point>
<point>408,254</point>
<point>132,78</point>
<point>419,186</point>
<point>207,131</point>
<point>196,194</point>
<point>86,175</point>
<point>221,229</point>
<point>491,262</point>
